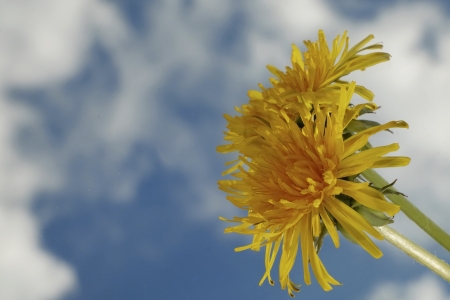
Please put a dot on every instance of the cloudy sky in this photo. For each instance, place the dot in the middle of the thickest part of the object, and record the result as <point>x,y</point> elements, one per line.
<point>110,112</point>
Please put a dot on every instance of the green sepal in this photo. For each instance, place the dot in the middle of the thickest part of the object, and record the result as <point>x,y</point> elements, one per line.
<point>367,110</point>
<point>347,200</point>
<point>353,178</point>
<point>360,125</point>
<point>386,190</point>
<point>346,135</point>
<point>374,217</point>
<point>318,241</point>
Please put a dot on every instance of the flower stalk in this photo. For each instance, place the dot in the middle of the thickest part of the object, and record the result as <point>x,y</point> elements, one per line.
<point>411,211</point>
<point>422,256</point>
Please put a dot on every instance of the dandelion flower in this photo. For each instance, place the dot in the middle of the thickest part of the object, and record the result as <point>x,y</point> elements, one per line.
<point>319,69</point>
<point>291,182</point>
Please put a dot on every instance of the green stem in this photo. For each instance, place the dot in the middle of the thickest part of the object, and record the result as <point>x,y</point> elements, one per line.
<point>410,210</point>
<point>416,252</point>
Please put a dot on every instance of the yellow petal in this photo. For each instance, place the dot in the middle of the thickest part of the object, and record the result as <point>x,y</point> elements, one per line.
<point>354,224</point>
<point>329,225</point>
<point>352,145</point>
<point>370,197</point>
<point>353,113</point>
<point>361,161</point>
<point>391,161</point>
<point>297,56</point>
<point>375,129</point>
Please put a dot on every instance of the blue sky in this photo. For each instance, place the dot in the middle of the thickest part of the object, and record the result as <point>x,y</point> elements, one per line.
<point>110,112</point>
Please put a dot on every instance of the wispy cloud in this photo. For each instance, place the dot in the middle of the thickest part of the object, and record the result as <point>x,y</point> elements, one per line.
<point>27,270</point>
<point>425,287</point>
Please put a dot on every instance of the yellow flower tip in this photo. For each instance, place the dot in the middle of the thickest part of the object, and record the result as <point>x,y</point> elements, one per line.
<point>255,95</point>
<point>292,288</point>
<point>274,70</point>
<point>223,148</point>
<point>296,57</point>
<point>378,254</point>
<point>407,161</point>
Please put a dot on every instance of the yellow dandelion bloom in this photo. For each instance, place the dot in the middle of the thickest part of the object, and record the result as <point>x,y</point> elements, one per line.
<point>291,180</point>
<point>319,69</point>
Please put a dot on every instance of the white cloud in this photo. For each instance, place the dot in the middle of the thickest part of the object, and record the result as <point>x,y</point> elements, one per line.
<point>42,41</point>
<point>20,177</point>
<point>26,270</point>
<point>427,287</point>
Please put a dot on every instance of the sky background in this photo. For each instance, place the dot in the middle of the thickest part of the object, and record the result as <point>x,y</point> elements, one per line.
<point>110,112</point>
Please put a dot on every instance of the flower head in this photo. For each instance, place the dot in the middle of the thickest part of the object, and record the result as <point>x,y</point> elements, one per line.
<point>292,178</point>
<point>319,69</point>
